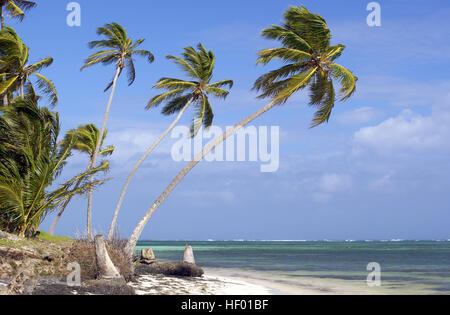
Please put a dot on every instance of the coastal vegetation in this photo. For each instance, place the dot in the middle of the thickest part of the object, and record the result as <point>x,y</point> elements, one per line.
<point>86,141</point>
<point>119,50</point>
<point>198,65</point>
<point>34,153</point>
<point>310,63</point>
<point>30,162</point>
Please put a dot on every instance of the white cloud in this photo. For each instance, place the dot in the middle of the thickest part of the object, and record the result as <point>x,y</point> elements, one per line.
<point>131,142</point>
<point>358,116</point>
<point>331,183</point>
<point>407,131</point>
<point>382,183</point>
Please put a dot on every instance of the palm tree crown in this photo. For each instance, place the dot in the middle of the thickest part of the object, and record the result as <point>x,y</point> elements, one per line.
<point>83,139</point>
<point>87,137</point>
<point>119,49</point>
<point>14,55</point>
<point>15,8</point>
<point>197,65</point>
<point>309,59</point>
<point>30,162</point>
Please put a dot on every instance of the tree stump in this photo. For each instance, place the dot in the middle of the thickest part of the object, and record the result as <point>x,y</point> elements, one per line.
<point>147,257</point>
<point>188,256</point>
<point>106,268</point>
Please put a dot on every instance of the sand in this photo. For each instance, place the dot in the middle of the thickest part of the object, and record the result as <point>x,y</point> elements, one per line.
<point>209,284</point>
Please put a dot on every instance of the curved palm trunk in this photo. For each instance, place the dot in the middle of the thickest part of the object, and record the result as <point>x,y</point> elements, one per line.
<point>141,225</point>
<point>63,208</point>
<point>2,17</point>
<point>139,163</point>
<point>5,96</point>
<point>97,150</point>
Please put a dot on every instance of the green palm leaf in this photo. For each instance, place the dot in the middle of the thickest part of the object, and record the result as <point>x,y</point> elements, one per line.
<point>310,61</point>
<point>118,49</point>
<point>198,64</point>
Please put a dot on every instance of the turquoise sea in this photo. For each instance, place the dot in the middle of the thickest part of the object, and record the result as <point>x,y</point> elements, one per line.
<point>407,267</point>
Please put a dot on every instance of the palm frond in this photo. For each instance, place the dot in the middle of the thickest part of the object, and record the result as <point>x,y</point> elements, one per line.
<point>144,53</point>
<point>305,37</point>
<point>209,115</point>
<point>346,78</point>
<point>199,115</point>
<point>131,70</point>
<point>296,83</point>
<point>47,87</point>
<point>171,83</point>
<point>44,63</point>
<point>184,66</point>
<point>119,49</point>
<point>267,79</point>
<point>285,54</point>
<point>223,83</point>
<point>176,104</point>
<point>5,85</point>
<point>325,107</point>
<point>309,26</point>
<point>158,99</point>
<point>217,92</point>
<point>287,37</point>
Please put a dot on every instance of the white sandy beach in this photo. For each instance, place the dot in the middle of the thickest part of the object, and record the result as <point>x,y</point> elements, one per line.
<point>247,283</point>
<point>207,285</point>
<point>219,282</point>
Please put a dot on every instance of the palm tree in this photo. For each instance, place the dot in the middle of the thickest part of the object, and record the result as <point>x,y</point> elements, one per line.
<point>198,66</point>
<point>15,9</point>
<point>86,136</point>
<point>310,63</point>
<point>14,66</point>
<point>119,50</point>
<point>30,162</point>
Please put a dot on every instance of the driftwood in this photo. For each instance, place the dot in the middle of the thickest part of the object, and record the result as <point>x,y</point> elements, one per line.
<point>106,268</point>
<point>170,269</point>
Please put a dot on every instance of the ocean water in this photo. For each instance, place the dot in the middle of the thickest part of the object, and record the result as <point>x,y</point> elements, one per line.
<point>407,267</point>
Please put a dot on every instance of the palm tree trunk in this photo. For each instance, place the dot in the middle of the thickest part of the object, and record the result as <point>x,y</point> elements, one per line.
<point>141,225</point>
<point>97,150</point>
<point>5,96</point>
<point>63,208</point>
<point>139,163</point>
<point>2,16</point>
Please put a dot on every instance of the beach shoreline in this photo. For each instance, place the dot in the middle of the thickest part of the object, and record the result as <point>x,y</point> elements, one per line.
<point>217,281</point>
<point>221,281</point>
<point>209,284</point>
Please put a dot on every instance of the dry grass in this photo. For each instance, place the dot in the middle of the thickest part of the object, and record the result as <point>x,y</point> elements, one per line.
<point>83,252</point>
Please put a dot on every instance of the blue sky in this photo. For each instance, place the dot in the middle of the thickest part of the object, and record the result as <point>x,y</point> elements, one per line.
<point>379,170</point>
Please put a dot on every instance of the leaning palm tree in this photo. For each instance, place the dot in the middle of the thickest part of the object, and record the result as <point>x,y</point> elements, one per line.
<point>310,62</point>
<point>198,66</point>
<point>15,67</point>
<point>15,9</point>
<point>30,163</point>
<point>86,140</point>
<point>119,50</point>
